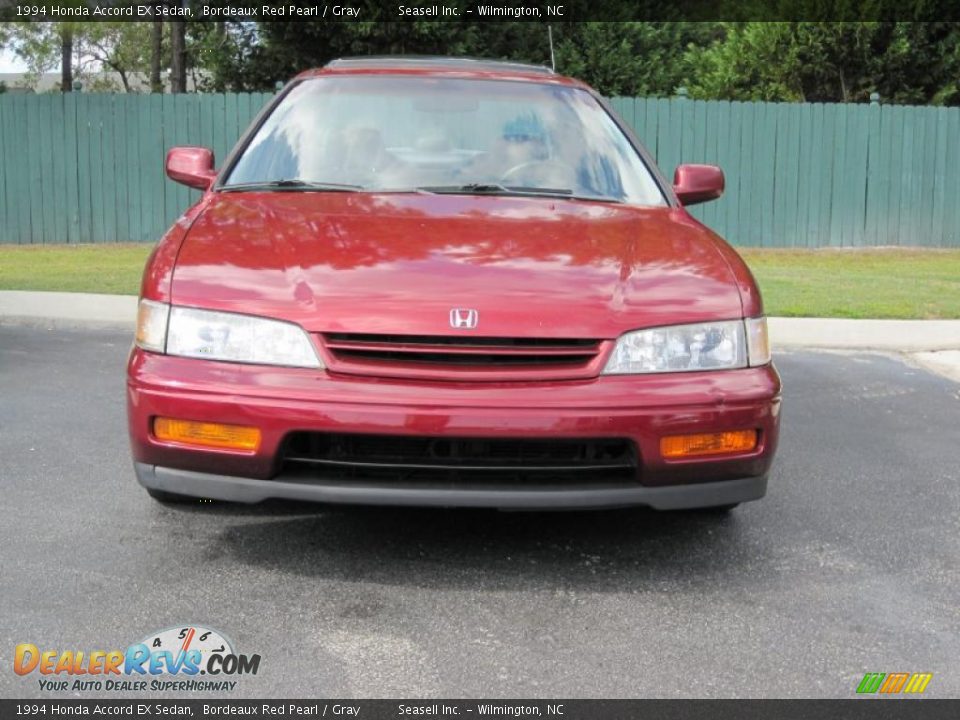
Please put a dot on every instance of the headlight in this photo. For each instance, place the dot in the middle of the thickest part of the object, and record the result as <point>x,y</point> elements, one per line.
<point>685,348</point>
<point>213,335</point>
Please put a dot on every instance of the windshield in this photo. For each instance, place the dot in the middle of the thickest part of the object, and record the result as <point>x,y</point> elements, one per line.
<point>394,133</point>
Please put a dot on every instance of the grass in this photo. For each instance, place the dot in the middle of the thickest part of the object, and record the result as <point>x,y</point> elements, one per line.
<point>867,283</point>
<point>110,268</point>
<point>861,283</point>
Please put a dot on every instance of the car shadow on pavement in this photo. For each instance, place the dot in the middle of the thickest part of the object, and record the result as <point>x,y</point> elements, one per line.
<point>615,551</point>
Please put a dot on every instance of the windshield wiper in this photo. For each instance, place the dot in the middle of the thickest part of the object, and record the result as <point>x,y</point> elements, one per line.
<point>292,184</point>
<point>493,189</point>
<point>512,190</point>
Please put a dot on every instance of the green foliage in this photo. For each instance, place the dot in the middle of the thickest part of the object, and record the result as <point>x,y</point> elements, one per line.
<point>906,62</point>
<point>631,59</point>
<point>251,57</point>
<point>36,43</point>
<point>104,46</point>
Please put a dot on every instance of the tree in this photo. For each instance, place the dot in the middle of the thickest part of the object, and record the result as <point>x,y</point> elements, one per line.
<point>224,51</point>
<point>631,58</point>
<point>906,62</point>
<point>122,47</point>
<point>616,58</point>
<point>156,54</point>
<point>66,58</point>
<point>82,49</point>
<point>44,46</point>
<point>178,56</point>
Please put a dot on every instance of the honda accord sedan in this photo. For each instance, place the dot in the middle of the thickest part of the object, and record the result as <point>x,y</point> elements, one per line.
<point>448,282</point>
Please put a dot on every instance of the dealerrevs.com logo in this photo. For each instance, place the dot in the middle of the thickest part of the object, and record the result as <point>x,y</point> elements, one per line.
<point>894,683</point>
<point>188,658</point>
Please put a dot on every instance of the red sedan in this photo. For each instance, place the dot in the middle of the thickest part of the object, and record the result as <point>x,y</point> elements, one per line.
<point>448,282</point>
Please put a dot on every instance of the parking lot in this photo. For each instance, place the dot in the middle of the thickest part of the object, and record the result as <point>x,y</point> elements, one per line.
<point>850,565</point>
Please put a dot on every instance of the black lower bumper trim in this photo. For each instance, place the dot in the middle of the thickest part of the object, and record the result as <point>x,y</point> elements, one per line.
<point>247,490</point>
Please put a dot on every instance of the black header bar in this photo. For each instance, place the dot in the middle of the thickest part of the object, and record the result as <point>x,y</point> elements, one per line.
<point>470,11</point>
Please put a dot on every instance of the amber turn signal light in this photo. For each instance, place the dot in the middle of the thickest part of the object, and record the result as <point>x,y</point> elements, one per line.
<point>684,446</point>
<point>206,434</point>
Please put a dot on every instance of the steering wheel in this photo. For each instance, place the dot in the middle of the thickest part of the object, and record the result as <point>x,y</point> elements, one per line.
<point>565,170</point>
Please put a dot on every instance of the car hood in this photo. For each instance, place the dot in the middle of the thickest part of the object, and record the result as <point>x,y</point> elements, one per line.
<point>398,264</point>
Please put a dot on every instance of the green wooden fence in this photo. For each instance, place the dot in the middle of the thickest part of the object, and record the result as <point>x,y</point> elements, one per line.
<point>83,168</point>
<point>816,175</point>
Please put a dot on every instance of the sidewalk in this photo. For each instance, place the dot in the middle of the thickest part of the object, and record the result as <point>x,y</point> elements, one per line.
<point>905,336</point>
<point>63,308</point>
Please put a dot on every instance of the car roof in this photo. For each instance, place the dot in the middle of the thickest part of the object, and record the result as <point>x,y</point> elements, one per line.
<point>438,61</point>
<point>467,67</point>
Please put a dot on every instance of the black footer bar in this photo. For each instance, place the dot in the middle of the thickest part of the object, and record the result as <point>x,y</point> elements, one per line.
<point>853,709</point>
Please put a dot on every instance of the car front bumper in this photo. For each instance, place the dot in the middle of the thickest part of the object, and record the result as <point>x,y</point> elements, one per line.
<point>280,401</point>
<point>245,490</point>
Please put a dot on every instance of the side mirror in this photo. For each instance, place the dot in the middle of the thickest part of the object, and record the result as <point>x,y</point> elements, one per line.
<point>697,183</point>
<point>191,166</point>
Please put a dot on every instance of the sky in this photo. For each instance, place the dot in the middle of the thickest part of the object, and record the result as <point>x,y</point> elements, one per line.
<point>10,63</point>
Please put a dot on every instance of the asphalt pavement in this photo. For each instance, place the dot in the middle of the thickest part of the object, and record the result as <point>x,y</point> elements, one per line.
<point>850,565</point>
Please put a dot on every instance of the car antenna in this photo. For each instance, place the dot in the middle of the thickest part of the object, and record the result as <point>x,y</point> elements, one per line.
<point>553,60</point>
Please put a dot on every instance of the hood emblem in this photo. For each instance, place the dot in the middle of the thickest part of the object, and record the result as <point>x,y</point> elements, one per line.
<point>464,318</point>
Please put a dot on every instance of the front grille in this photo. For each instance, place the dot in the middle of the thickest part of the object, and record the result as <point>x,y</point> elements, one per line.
<point>462,358</point>
<point>452,460</point>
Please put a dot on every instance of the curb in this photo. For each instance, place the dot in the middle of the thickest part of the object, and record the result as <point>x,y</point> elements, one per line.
<point>910,336</point>
<point>68,309</point>
<point>884,335</point>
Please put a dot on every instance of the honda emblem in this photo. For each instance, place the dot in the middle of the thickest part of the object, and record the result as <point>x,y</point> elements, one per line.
<point>464,318</point>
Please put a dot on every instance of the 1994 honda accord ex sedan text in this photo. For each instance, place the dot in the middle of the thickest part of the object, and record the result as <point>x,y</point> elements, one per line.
<point>448,282</point>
